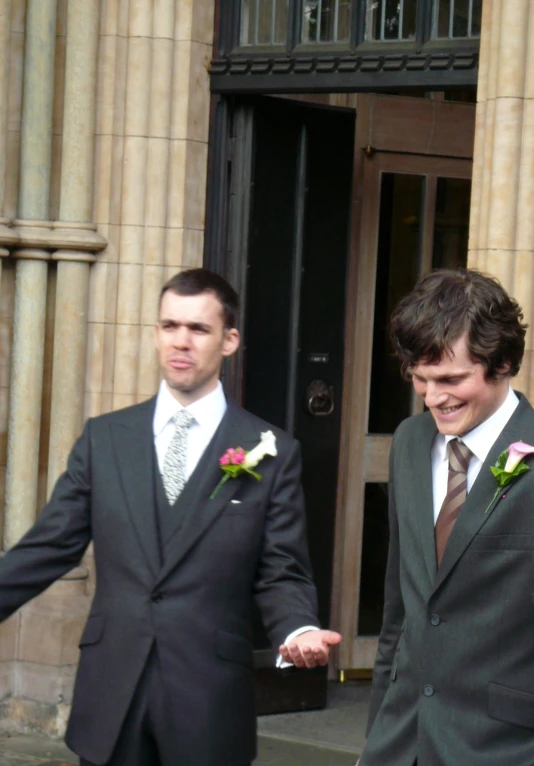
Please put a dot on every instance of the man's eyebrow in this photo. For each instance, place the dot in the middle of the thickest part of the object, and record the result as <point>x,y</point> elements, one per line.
<point>191,325</point>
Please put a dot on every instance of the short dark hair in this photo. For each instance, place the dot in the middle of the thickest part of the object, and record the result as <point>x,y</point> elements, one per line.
<point>197,281</point>
<point>446,304</point>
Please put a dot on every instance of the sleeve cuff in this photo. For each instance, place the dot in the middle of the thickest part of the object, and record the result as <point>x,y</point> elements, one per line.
<point>280,663</point>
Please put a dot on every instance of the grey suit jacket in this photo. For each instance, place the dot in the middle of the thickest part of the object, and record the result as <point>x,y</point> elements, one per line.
<point>196,606</point>
<point>454,676</point>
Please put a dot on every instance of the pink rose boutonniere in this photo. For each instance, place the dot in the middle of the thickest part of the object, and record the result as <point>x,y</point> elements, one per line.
<point>510,464</point>
<point>237,461</point>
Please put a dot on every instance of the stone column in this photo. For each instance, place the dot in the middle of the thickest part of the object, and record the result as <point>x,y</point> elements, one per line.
<point>76,205</point>
<point>5,27</point>
<point>501,238</point>
<point>32,270</point>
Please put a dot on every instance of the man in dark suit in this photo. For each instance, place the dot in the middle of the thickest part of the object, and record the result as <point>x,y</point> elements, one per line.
<point>166,674</point>
<point>454,677</point>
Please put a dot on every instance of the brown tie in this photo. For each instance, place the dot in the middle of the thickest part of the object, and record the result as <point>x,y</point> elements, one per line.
<point>459,456</point>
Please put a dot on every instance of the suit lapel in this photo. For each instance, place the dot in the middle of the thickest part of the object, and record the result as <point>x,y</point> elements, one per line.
<point>520,427</point>
<point>133,442</point>
<point>195,511</point>
<point>421,479</point>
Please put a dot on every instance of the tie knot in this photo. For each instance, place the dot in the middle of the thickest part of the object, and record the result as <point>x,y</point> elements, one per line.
<point>183,419</point>
<point>459,456</point>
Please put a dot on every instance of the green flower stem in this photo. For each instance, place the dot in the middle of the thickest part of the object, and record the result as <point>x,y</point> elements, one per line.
<point>495,496</point>
<point>219,485</point>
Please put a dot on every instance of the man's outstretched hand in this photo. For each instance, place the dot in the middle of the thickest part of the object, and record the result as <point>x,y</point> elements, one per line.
<point>310,649</point>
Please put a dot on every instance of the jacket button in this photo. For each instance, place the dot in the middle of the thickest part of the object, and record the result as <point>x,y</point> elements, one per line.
<point>157,598</point>
<point>435,620</point>
<point>428,690</point>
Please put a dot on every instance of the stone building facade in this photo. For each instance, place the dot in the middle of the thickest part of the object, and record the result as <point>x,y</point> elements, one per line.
<point>105,114</point>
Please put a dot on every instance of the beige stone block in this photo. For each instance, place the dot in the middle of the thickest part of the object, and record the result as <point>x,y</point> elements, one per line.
<point>195,185</point>
<point>94,357</point>
<point>156,181</point>
<point>11,188</point>
<point>96,311</point>
<point>105,102</point>
<point>153,280</point>
<point>106,405</point>
<point>192,248</point>
<point>505,173</point>
<point>199,93</point>
<point>147,384</point>
<point>109,18</point>
<point>140,22</point>
<point>9,630</point>
<point>45,683</point>
<point>51,637</point>
<point>174,248</point>
<point>102,179</point>
<point>183,22</point>
<point>529,65</point>
<point>161,88</point>
<point>126,360</point>
<point>16,75</point>
<point>170,271</point>
<point>109,359</point>
<point>176,191</point>
<point>92,405</point>
<point>111,292</point>
<point>138,86</point>
<point>525,206</point>
<point>55,177</point>
<point>163,19</point>
<point>18,15</point>
<point>120,82</point>
<point>513,44</point>
<point>59,86</point>
<point>492,49</point>
<point>500,263</point>
<point>203,22</point>
<point>134,180</point>
<point>130,290</point>
<point>132,244</point>
<point>123,18</point>
<point>181,89</point>
<point>123,400</point>
<point>7,679</point>
<point>477,177</point>
<point>155,245</point>
<point>117,177</point>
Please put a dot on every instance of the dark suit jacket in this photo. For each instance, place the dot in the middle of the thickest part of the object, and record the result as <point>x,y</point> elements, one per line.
<point>454,676</point>
<point>196,607</point>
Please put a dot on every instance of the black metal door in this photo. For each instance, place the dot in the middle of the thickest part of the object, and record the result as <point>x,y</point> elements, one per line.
<point>292,359</point>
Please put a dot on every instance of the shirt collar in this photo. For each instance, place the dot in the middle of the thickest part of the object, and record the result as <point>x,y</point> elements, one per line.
<point>482,438</point>
<point>208,409</point>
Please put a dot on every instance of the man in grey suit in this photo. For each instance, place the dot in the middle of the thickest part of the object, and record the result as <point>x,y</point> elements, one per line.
<point>166,674</point>
<point>454,677</point>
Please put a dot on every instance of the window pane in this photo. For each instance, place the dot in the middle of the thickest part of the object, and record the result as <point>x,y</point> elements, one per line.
<point>326,21</point>
<point>456,18</point>
<point>374,559</point>
<point>264,22</point>
<point>391,19</point>
<point>451,227</point>
<point>398,259</point>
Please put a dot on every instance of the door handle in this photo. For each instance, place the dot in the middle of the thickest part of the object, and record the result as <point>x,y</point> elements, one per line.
<point>320,399</point>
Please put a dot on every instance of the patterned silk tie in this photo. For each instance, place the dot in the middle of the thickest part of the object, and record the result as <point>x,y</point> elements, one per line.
<point>459,456</point>
<point>174,465</point>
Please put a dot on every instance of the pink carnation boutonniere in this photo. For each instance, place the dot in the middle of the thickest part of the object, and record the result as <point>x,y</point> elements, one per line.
<point>236,462</point>
<point>510,464</point>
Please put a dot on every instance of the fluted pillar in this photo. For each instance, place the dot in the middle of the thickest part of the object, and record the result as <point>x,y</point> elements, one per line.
<point>501,238</point>
<point>31,272</point>
<point>76,205</point>
<point>5,26</point>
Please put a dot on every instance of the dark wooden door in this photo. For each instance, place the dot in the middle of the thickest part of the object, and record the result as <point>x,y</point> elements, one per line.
<point>292,360</point>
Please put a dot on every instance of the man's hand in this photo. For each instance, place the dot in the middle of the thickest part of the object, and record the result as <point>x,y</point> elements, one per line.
<point>310,649</point>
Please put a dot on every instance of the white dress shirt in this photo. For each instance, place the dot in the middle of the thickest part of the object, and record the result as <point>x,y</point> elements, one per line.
<point>207,413</point>
<point>480,440</point>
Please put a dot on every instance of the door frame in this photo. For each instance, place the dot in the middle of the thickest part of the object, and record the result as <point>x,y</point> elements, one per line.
<point>393,134</point>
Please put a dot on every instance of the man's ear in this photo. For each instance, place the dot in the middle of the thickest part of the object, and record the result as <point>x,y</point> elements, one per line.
<point>231,341</point>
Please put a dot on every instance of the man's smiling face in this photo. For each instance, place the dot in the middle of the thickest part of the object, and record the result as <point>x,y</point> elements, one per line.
<point>456,391</point>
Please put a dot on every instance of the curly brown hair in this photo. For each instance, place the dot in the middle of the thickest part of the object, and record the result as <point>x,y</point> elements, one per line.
<point>446,304</point>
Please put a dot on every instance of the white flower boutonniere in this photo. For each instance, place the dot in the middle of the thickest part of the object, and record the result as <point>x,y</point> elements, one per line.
<point>510,464</point>
<point>237,461</point>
